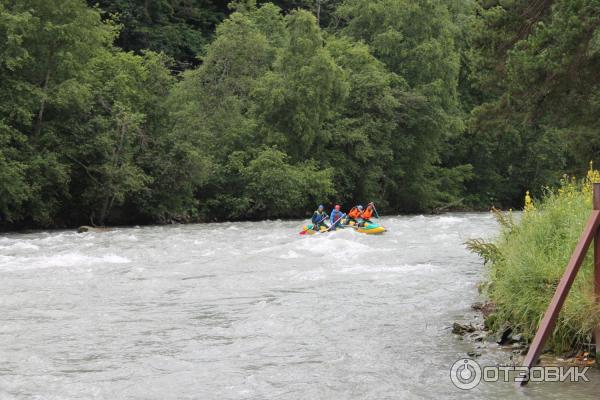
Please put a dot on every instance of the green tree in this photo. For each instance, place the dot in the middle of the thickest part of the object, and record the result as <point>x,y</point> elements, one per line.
<point>211,107</point>
<point>14,188</point>
<point>416,42</point>
<point>44,57</point>
<point>234,107</point>
<point>120,128</point>
<point>323,10</point>
<point>534,64</point>
<point>361,147</point>
<point>277,188</point>
<point>178,28</point>
<point>302,93</point>
<point>84,127</point>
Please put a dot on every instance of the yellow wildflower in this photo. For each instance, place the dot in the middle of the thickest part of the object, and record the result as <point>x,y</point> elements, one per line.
<point>529,202</point>
<point>593,176</point>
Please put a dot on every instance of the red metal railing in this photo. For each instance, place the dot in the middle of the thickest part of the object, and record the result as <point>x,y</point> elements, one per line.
<point>590,233</point>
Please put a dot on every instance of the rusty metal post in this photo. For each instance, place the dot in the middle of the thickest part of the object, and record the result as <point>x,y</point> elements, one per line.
<point>597,269</point>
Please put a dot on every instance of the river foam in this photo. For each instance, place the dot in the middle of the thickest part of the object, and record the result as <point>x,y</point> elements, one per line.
<point>239,311</point>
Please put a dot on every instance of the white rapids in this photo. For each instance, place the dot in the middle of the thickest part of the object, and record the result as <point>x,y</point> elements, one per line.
<point>246,311</point>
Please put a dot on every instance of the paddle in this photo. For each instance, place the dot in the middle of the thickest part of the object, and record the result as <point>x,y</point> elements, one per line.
<point>318,223</point>
<point>332,225</point>
<point>376,213</point>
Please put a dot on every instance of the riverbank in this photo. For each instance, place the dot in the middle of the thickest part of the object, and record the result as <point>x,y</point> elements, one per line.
<point>527,260</point>
<point>477,332</point>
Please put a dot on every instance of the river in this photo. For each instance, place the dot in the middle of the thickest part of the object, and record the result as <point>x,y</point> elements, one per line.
<point>246,311</point>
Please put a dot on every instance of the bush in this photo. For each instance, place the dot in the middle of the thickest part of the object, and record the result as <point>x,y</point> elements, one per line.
<point>529,258</point>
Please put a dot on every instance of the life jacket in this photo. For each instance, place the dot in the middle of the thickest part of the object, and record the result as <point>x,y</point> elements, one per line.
<point>354,213</point>
<point>336,216</point>
<point>367,214</point>
<point>318,217</point>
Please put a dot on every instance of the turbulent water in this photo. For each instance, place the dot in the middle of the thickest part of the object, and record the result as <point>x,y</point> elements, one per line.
<point>246,311</point>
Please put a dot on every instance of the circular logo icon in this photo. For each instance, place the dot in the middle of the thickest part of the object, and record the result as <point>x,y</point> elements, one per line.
<point>465,374</point>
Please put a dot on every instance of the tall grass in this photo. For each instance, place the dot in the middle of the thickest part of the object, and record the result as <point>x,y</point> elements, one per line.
<point>528,259</point>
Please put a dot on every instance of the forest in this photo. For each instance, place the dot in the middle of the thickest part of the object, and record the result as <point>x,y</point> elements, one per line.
<point>160,111</point>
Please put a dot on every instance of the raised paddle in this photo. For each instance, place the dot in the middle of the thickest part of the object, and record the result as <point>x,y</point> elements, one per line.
<point>376,213</point>
<point>332,225</point>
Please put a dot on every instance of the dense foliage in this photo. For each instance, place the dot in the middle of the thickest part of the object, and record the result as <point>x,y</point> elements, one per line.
<point>536,73</point>
<point>180,29</point>
<point>202,110</point>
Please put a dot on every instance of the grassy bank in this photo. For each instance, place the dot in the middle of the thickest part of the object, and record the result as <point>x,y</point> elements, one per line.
<point>528,259</point>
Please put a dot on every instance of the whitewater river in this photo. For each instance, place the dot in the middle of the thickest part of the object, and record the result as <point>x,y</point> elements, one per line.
<point>246,311</point>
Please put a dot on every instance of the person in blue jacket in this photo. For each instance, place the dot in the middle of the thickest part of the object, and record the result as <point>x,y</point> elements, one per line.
<point>336,217</point>
<point>318,218</point>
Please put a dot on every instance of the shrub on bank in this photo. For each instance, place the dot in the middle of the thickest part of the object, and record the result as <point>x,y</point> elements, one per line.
<point>528,259</point>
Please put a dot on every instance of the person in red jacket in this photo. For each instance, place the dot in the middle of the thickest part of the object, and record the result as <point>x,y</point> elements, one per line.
<point>336,218</point>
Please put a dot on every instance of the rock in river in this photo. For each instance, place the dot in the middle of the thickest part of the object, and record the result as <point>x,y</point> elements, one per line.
<point>86,228</point>
<point>461,329</point>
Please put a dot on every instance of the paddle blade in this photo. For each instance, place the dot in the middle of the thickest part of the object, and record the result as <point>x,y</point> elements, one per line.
<point>302,233</point>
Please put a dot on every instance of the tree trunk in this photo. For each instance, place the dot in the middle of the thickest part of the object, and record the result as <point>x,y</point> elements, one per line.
<point>40,117</point>
<point>109,197</point>
<point>319,12</point>
<point>104,210</point>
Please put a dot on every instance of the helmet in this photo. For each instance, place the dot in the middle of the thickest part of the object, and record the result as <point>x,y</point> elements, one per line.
<point>360,207</point>
<point>337,207</point>
<point>320,207</point>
